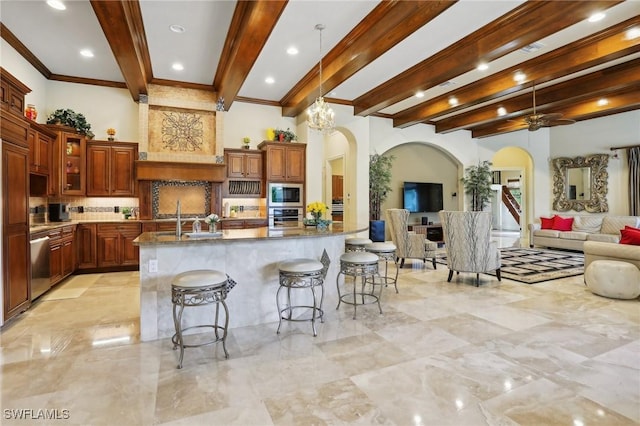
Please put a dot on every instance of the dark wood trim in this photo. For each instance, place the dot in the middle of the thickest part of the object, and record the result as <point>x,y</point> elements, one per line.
<point>13,41</point>
<point>122,33</point>
<point>251,25</point>
<point>383,28</point>
<point>10,78</point>
<point>257,101</point>
<point>527,23</point>
<point>182,84</point>
<point>597,49</point>
<point>159,170</point>
<point>92,81</point>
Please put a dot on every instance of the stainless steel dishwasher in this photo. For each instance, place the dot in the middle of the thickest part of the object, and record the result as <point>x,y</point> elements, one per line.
<point>40,268</point>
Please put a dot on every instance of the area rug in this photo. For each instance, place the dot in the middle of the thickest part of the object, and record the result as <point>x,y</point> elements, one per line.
<point>531,266</point>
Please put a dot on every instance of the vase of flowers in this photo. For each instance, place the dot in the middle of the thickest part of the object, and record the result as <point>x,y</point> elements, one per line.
<point>111,132</point>
<point>317,209</point>
<point>212,220</point>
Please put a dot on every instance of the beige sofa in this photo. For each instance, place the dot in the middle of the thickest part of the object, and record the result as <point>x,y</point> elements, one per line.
<point>596,250</point>
<point>585,228</point>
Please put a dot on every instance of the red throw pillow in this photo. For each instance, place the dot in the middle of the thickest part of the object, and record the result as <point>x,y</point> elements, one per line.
<point>546,223</point>
<point>630,236</point>
<point>561,223</point>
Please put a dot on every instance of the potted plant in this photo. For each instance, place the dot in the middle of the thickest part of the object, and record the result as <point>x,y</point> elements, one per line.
<point>477,184</point>
<point>379,189</point>
<point>68,117</point>
<point>126,211</point>
<point>245,142</point>
<point>284,135</point>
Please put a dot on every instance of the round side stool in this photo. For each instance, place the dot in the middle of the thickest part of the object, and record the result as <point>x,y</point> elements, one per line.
<point>386,252</point>
<point>302,274</point>
<point>198,288</point>
<point>614,279</point>
<point>358,264</point>
<point>355,244</point>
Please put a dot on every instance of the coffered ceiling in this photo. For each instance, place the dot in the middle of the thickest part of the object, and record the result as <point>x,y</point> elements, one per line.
<point>376,55</point>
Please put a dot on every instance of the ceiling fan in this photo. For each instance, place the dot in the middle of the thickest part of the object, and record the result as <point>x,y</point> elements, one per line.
<point>536,121</point>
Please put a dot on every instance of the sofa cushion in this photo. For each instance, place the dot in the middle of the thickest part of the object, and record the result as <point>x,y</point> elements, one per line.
<point>604,238</point>
<point>574,235</point>
<point>613,224</point>
<point>549,233</point>
<point>562,223</point>
<point>630,236</point>
<point>546,223</point>
<point>587,224</point>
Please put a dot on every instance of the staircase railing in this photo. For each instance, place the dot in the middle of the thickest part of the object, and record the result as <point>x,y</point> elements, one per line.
<point>511,203</point>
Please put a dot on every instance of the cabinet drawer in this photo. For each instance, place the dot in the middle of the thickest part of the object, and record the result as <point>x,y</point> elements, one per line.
<point>118,227</point>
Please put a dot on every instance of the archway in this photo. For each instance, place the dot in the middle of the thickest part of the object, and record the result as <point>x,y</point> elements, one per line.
<point>340,160</point>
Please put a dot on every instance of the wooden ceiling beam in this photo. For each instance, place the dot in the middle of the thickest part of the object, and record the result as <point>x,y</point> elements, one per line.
<point>527,23</point>
<point>121,23</point>
<point>625,99</point>
<point>251,25</point>
<point>384,27</point>
<point>599,48</point>
<point>598,83</point>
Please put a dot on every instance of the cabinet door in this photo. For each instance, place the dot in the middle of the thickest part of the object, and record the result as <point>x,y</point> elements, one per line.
<point>33,146</point>
<point>235,164</point>
<point>276,170</point>
<point>295,162</point>
<point>73,164</point>
<point>86,246</point>
<point>55,262</point>
<point>68,257</point>
<point>232,224</point>
<point>44,145</point>
<point>122,167</point>
<point>253,166</point>
<point>108,242</point>
<point>98,170</point>
<point>130,252</point>
<point>16,101</point>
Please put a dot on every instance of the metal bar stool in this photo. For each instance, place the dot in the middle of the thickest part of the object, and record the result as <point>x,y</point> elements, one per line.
<point>358,264</point>
<point>386,252</point>
<point>355,244</point>
<point>198,288</point>
<point>302,274</point>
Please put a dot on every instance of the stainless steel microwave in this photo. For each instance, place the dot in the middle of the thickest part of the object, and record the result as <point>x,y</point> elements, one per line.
<point>285,195</point>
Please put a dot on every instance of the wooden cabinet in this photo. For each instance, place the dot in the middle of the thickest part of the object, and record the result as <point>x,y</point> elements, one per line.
<point>12,93</point>
<point>243,163</point>
<point>86,246</point>
<point>40,145</point>
<point>115,244</point>
<point>15,228</point>
<point>243,223</point>
<point>110,169</point>
<point>62,256</point>
<point>68,167</point>
<point>284,162</point>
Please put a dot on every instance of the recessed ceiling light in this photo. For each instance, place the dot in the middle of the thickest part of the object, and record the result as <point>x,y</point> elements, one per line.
<point>87,53</point>
<point>292,50</point>
<point>177,28</point>
<point>177,66</point>
<point>453,101</point>
<point>603,102</point>
<point>598,16</point>
<point>56,4</point>
<point>483,66</point>
<point>420,95</point>
<point>633,33</point>
<point>269,80</point>
<point>502,111</point>
<point>520,77</point>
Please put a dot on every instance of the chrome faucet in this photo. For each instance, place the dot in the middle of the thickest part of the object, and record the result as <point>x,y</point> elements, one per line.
<point>178,221</point>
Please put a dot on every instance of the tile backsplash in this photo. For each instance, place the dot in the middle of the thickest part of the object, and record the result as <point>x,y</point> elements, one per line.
<point>82,208</point>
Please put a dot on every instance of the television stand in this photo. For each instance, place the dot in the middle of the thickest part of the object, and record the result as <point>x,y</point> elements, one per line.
<point>433,232</point>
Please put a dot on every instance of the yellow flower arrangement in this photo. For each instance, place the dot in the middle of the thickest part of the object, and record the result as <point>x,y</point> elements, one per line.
<point>111,131</point>
<point>317,208</point>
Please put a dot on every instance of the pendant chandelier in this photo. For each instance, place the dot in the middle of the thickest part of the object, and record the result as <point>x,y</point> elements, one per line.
<point>320,115</point>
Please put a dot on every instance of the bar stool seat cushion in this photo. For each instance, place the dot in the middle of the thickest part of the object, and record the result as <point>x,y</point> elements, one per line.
<point>357,241</point>
<point>300,265</point>
<point>359,257</point>
<point>380,247</point>
<point>199,278</point>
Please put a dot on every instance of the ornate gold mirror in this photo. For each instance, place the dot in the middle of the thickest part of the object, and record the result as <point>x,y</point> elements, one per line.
<point>580,183</point>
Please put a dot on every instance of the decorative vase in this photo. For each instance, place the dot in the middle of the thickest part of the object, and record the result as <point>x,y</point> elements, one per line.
<point>322,225</point>
<point>212,227</point>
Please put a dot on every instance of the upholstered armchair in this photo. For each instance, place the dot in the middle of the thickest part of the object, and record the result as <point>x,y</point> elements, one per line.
<point>467,238</point>
<point>409,244</point>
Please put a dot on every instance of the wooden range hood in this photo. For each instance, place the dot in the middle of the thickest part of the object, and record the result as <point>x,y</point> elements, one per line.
<point>169,170</point>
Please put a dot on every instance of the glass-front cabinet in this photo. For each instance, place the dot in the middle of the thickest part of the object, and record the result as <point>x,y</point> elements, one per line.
<point>69,172</point>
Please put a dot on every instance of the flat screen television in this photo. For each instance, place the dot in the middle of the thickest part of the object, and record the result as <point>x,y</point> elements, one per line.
<point>422,197</point>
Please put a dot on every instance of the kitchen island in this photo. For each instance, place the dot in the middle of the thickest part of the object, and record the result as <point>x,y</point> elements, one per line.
<point>249,256</point>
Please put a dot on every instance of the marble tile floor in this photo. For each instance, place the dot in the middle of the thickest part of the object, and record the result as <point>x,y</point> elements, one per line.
<point>441,354</point>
